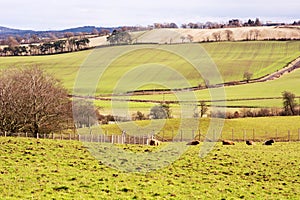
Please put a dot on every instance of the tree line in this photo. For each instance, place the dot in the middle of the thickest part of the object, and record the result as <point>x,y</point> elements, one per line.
<point>53,47</point>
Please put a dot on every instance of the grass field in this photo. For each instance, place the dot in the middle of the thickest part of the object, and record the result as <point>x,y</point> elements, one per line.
<point>268,89</point>
<point>238,129</point>
<point>47,169</point>
<point>231,58</point>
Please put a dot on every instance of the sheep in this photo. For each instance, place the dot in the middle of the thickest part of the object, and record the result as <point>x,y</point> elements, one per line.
<point>269,142</point>
<point>153,142</point>
<point>228,142</point>
<point>250,142</point>
<point>194,142</point>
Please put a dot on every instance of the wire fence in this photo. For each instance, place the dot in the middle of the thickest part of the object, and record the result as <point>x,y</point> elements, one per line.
<point>171,136</point>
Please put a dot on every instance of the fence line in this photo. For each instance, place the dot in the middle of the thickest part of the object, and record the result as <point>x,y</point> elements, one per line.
<point>171,136</point>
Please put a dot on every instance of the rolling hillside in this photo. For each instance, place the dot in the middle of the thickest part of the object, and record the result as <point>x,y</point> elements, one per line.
<point>163,36</point>
<point>232,59</point>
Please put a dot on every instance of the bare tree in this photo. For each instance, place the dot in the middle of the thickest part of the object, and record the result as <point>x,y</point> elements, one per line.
<point>203,108</point>
<point>229,35</point>
<point>256,34</point>
<point>95,32</point>
<point>289,103</point>
<point>182,39</point>
<point>32,101</point>
<point>84,113</point>
<point>247,76</point>
<point>12,42</point>
<point>190,38</point>
<point>217,36</point>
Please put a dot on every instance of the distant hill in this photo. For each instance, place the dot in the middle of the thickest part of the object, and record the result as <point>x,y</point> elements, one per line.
<point>5,31</point>
<point>87,29</point>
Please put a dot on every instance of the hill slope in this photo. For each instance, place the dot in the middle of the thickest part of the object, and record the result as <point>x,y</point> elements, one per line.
<point>231,58</point>
<point>202,35</point>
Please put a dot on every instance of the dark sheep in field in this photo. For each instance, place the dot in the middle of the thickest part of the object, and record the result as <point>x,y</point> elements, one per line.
<point>194,142</point>
<point>269,142</point>
<point>227,142</point>
<point>153,142</point>
<point>250,142</point>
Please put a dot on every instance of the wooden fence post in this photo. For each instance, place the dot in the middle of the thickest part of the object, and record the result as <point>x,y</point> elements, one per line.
<point>143,139</point>
<point>181,136</point>
<point>199,135</point>
<point>289,136</point>
<point>214,135</point>
<point>276,133</point>
<point>299,134</point>
<point>232,133</point>
<point>172,135</point>
<point>193,134</point>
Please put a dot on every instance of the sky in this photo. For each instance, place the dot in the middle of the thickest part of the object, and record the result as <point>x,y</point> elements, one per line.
<point>61,14</point>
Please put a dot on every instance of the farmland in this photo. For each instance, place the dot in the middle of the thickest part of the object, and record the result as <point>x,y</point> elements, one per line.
<point>231,58</point>
<point>254,90</point>
<point>55,169</point>
<point>46,169</point>
<point>163,36</point>
<point>243,128</point>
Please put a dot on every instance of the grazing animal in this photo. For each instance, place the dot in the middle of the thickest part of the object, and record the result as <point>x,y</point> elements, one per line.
<point>228,142</point>
<point>194,142</point>
<point>250,142</point>
<point>269,142</point>
<point>153,142</point>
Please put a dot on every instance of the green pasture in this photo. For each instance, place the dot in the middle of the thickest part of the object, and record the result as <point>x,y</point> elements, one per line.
<point>269,89</point>
<point>260,128</point>
<point>63,66</point>
<point>231,58</point>
<point>259,58</point>
<point>53,169</point>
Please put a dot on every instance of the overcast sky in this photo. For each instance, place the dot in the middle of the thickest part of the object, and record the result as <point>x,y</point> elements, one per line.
<point>61,14</point>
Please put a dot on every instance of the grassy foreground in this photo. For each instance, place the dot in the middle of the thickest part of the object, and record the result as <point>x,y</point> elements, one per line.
<point>46,169</point>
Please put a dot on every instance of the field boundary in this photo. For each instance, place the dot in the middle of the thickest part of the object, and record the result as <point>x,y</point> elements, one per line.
<point>186,135</point>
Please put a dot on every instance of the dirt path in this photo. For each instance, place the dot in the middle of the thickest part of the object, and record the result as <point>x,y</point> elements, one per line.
<point>291,67</point>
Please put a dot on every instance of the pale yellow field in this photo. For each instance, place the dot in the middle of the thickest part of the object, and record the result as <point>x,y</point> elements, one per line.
<point>200,35</point>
